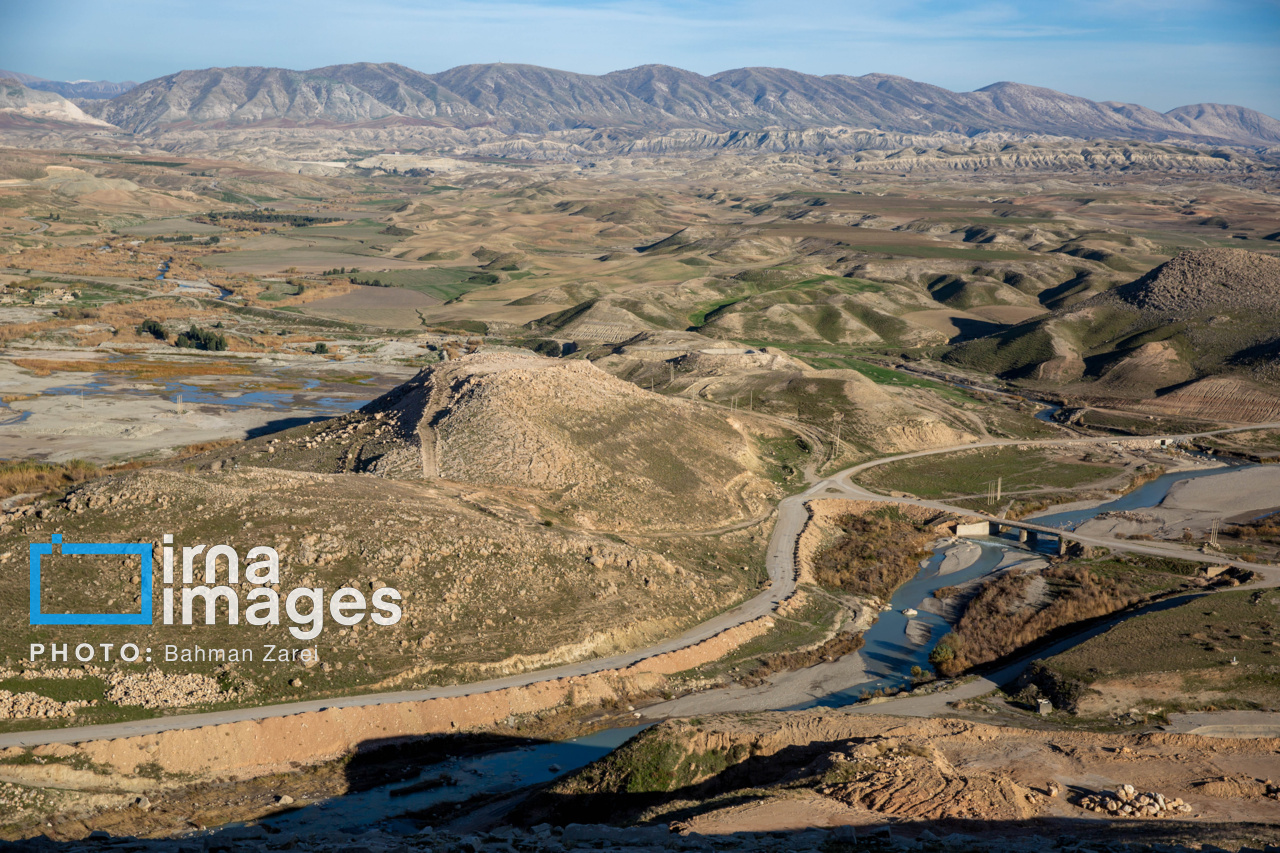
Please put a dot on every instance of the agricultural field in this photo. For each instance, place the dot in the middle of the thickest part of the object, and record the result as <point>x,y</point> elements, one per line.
<point>967,474</point>
<point>1181,658</point>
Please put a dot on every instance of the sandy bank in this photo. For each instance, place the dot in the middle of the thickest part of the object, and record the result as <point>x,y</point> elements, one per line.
<point>959,556</point>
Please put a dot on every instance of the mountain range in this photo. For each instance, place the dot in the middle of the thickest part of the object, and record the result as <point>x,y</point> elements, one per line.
<point>651,98</point>
<point>88,89</point>
<point>531,99</point>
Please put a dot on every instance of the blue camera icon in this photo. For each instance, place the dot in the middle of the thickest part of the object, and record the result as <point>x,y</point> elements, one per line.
<point>140,549</point>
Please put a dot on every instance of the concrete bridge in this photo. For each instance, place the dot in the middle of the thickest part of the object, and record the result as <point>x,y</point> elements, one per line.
<point>1028,532</point>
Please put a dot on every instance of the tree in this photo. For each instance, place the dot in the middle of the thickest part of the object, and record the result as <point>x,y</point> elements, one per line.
<point>194,338</point>
<point>153,328</point>
<point>321,348</point>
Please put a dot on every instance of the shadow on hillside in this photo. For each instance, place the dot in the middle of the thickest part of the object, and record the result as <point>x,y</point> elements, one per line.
<point>970,329</point>
<point>282,424</point>
<point>399,789</point>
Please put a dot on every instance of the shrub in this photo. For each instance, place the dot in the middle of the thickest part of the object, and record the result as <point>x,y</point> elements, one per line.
<point>876,553</point>
<point>202,339</point>
<point>152,328</point>
<point>321,348</point>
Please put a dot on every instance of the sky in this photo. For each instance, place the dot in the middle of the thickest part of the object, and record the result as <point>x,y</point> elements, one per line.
<point>1159,53</point>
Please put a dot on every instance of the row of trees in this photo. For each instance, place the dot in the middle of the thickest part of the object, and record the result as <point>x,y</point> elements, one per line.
<point>187,238</point>
<point>299,220</point>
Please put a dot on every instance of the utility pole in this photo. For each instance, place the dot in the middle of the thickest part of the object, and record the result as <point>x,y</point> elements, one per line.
<point>671,374</point>
<point>999,487</point>
<point>751,400</point>
<point>836,423</point>
<point>179,404</point>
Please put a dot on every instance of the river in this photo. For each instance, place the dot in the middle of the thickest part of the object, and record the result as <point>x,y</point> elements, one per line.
<point>1147,495</point>
<point>887,654</point>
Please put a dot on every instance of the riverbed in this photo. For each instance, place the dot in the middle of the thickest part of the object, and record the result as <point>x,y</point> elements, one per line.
<point>893,645</point>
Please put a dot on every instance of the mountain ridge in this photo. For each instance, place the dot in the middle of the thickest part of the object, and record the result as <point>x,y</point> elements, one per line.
<point>530,99</point>
<point>87,89</point>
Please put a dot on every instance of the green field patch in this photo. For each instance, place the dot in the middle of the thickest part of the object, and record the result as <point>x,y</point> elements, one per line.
<point>444,283</point>
<point>1203,634</point>
<point>969,472</point>
<point>158,227</point>
<point>58,689</point>
<point>698,318</point>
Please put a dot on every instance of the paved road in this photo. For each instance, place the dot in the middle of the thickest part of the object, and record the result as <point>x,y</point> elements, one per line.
<point>44,226</point>
<point>781,565</point>
<point>844,482</point>
<point>780,562</point>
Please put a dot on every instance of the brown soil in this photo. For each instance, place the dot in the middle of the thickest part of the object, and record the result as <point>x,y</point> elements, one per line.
<point>939,771</point>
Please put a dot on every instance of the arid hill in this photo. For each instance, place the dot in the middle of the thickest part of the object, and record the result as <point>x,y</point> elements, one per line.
<point>21,107</point>
<point>1197,333</point>
<point>590,449</point>
<point>510,498</point>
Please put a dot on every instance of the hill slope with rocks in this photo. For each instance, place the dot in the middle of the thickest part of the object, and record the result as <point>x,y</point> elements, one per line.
<point>530,512</point>
<point>531,99</point>
<point>590,449</point>
<point>1197,335</point>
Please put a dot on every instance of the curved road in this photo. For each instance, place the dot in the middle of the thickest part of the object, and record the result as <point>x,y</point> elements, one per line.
<point>781,565</point>
<point>43,226</point>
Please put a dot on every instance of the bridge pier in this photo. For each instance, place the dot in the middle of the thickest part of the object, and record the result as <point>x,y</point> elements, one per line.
<point>1023,534</point>
<point>1062,546</point>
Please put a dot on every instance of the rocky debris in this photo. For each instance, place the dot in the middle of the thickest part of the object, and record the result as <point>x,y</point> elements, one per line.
<point>156,689</point>
<point>912,780</point>
<point>1129,515</point>
<point>545,838</point>
<point>1126,801</point>
<point>1244,787</point>
<point>1205,279</point>
<point>19,706</point>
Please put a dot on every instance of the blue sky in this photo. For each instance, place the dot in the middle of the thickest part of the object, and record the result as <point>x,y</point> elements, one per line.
<point>1160,53</point>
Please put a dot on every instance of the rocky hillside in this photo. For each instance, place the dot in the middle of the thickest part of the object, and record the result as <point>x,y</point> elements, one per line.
<point>1207,314</point>
<point>530,99</point>
<point>590,449</point>
<point>530,511</point>
<point>935,781</point>
<point>1205,280</point>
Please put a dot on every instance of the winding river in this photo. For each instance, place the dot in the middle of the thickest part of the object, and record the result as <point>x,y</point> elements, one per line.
<point>888,656</point>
